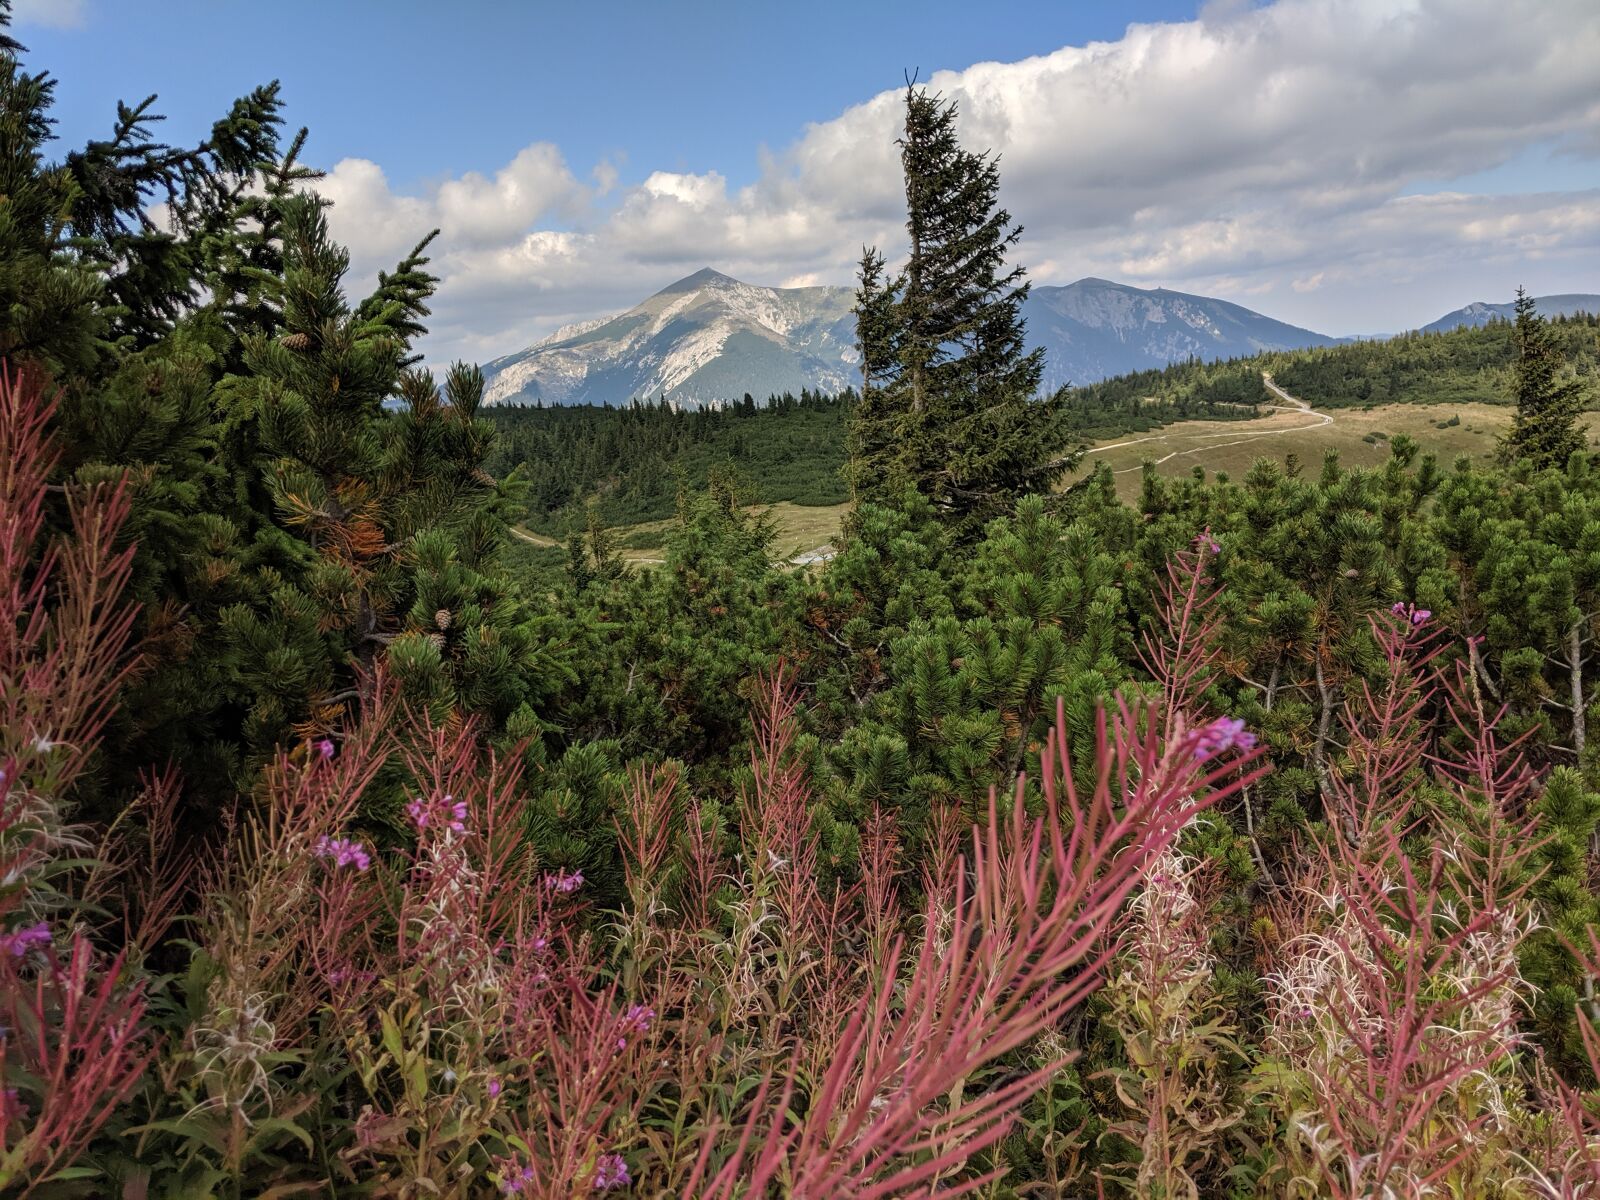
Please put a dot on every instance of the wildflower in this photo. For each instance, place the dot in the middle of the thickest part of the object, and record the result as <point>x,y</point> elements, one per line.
<point>516,1178</point>
<point>637,1021</point>
<point>1225,733</point>
<point>12,1107</point>
<point>612,1173</point>
<point>447,812</point>
<point>325,749</point>
<point>43,744</point>
<point>494,1087</point>
<point>1206,542</point>
<point>19,941</point>
<point>344,852</point>
<point>1417,616</point>
<point>564,883</point>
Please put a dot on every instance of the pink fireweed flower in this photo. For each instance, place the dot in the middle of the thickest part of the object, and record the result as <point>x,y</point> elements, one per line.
<point>325,749</point>
<point>494,1087</point>
<point>1204,541</point>
<point>637,1021</point>
<point>19,941</point>
<point>343,852</point>
<point>516,1177</point>
<point>1225,733</point>
<point>564,883</point>
<point>12,1107</point>
<point>445,813</point>
<point>1417,616</point>
<point>612,1173</point>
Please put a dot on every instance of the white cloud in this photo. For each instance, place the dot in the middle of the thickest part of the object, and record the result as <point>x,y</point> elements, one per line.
<point>53,14</point>
<point>1258,152</point>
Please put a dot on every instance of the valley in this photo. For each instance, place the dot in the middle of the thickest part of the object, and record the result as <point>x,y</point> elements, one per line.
<point>1360,436</point>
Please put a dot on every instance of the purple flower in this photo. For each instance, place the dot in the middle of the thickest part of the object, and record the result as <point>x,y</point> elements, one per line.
<point>564,883</point>
<point>1225,733</point>
<point>19,941</point>
<point>637,1021</point>
<point>12,1107</point>
<point>325,749</point>
<point>516,1177</point>
<point>446,812</point>
<point>1417,616</point>
<point>344,852</point>
<point>494,1087</point>
<point>1206,542</point>
<point>612,1173</point>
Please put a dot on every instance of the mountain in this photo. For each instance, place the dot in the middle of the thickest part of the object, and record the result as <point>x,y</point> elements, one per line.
<point>709,337</point>
<point>1094,329</point>
<point>706,337</point>
<point>1481,312</point>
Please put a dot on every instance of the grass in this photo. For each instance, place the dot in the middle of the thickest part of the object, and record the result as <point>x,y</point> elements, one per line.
<point>1361,436</point>
<point>1179,449</point>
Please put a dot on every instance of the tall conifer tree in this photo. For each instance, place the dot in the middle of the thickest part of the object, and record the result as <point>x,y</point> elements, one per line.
<point>1545,429</point>
<point>951,401</point>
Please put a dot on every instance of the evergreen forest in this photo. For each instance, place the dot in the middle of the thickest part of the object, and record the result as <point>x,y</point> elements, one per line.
<point>1243,841</point>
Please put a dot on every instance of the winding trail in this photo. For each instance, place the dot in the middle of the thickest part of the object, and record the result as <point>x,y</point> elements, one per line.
<point>1208,442</point>
<point>537,539</point>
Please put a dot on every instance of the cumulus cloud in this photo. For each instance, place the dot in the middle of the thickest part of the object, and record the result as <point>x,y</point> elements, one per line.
<point>1302,155</point>
<point>53,14</point>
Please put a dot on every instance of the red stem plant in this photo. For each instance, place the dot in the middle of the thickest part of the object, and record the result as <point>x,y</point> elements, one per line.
<point>1023,942</point>
<point>1161,998</point>
<point>70,1048</point>
<point>1393,1000</point>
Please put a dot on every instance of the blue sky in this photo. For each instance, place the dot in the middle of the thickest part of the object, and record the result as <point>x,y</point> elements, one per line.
<point>438,88</point>
<point>1352,166</point>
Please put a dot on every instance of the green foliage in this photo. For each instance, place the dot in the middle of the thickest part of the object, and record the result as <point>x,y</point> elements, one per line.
<point>950,401</point>
<point>628,464</point>
<point>1545,430</point>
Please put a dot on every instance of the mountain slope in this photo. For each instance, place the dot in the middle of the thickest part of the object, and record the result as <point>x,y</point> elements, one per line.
<point>710,337</point>
<point>1480,313</point>
<point>706,337</point>
<point>1094,329</point>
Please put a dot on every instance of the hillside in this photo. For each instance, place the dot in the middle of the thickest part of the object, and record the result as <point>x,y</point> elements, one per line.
<point>706,337</point>
<point>1095,329</point>
<point>631,461</point>
<point>1482,313</point>
<point>709,337</point>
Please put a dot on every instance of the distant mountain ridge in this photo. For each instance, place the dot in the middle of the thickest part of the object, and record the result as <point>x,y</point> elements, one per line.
<point>705,338</point>
<point>1480,312</point>
<point>710,337</point>
<point>1094,329</point>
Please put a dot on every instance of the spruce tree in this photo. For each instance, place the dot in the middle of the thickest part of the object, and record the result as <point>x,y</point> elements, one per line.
<point>1545,429</point>
<point>951,402</point>
<point>874,433</point>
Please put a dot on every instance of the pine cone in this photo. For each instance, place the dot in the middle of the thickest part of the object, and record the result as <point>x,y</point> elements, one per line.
<point>298,342</point>
<point>438,641</point>
<point>442,618</point>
